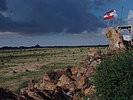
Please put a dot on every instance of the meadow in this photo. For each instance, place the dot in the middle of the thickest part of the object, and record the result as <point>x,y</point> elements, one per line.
<point>20,65</point>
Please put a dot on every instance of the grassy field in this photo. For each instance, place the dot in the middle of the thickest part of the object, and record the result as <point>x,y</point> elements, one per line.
<point>19,65</point>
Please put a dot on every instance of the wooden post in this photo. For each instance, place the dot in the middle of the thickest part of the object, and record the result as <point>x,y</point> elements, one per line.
<point>131,35</point>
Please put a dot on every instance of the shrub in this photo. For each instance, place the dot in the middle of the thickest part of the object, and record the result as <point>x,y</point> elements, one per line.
<point>114,78</point>
<point>22,85</point>
<point>37,59</point>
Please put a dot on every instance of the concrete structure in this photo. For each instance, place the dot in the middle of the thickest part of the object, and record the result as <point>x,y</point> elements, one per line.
<point>129,36</point>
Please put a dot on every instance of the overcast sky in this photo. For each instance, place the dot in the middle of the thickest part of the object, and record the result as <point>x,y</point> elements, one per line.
<point>58,22</point>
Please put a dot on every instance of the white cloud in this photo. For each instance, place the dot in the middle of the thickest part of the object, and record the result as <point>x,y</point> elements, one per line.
<point>6,34</point>
<point>130,17</point>
<point>12,34</point>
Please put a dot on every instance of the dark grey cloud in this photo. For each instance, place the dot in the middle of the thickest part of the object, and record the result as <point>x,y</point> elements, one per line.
<point>3,5</point>
<point>45,16</point>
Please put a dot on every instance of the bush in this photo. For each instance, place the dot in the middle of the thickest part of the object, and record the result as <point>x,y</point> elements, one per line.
<point>22,85</point>
<point>114,78</point>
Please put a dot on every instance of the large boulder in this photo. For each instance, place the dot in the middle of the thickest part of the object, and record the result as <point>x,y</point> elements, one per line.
<point>90,72</point>
<point>81,81</point>
<point>115,39</point>
<point>63,80</point>
<point>54,75</point>
<point>49,86</point>
<point>94,53</point>
<point>89,91</point>
<point>78,69</point>
<point>37,94</point>
<point>95,63</point>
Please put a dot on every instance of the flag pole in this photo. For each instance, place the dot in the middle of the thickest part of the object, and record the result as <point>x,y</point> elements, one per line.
<point>113,22</point>
<point>114,19</point>
<point>109,23</point>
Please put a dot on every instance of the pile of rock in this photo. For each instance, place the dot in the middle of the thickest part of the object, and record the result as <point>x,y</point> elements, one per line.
<point>61,84</point>
<point>34,94</point>
<point>78,79</point>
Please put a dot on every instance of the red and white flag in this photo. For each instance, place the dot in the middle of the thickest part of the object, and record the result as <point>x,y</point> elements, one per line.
<point>110,15</point>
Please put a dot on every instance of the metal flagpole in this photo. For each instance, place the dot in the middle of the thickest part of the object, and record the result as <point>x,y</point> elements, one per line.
<point>115,15</point>
<point>113,22</point>
<point>108,23</point>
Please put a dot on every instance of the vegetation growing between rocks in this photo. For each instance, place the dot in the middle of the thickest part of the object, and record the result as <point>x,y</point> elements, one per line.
<point>114,78</point>
<point>22,85</point>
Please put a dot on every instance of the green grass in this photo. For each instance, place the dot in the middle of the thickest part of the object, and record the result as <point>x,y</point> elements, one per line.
<point>54,66</point>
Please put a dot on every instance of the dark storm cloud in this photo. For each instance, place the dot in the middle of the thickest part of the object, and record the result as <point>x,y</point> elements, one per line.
<point>2,5</point>
<point>45,16</point>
